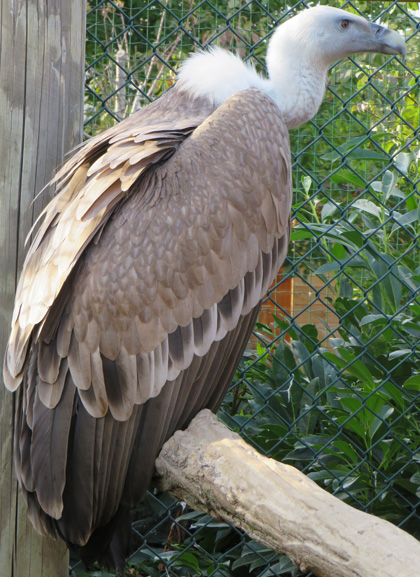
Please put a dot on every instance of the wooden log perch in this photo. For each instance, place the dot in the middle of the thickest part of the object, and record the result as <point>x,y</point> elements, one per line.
<point>213,469</point>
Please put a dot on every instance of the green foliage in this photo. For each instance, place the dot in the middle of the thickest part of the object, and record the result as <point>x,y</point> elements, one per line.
<point>134,47</point>
<point>345,415</point>
<point>207,547</point>
<point>345,409</point>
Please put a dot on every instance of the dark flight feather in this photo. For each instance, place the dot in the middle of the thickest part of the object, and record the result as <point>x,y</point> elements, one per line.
<point>137,300</point>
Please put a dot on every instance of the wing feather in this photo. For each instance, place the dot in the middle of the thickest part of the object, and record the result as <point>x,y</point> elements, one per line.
<point>227,269</point>
<point>48,450</point>
<point>76,520</point>
<point>165,236</point>
<point>83,205</point>
<point>205,330</point>
<point>50,392</point>
<point>95,397</point>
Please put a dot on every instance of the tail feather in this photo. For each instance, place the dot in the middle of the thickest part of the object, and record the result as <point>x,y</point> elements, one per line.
<point>109,545</point>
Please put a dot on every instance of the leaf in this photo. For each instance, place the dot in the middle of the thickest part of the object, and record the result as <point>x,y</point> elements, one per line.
<point>384,267</point>
<point>253,556</point>
<point>303,357</point>
<point>338,251</point>
<point>323,371</point>
<point>415,478</point>
<point>389,181</point>
<point>307,413</point>
<point>188,560</point>
<point>402,162</point>
<point>373,320</point>
<point>300,234</point>
<point>394,393</point>
<point>411,201</point>
<point>306,183</point>
<point>362,154</point>
<point>411,328</point>
<point>356,154</point>
<point>342,265</point>
<point>353,407</point>
<point>329,267</point>
<point>356,237</point>
<point>400,353</point>
<point>351,143</point>
<point>367,206</point>
<point>328,210</point>
<point>355,426</point>
<point>412,383</point>
<point>344,176</point>
<point>402,220</point>
<point>347,145</point>
<point>310,331</point>
<point>285,326</point>
<point>283,364</point>
<point>192,515</point>
<point>349,363</point>
<point>283,567</point>
<point>348,451</point>
<point>351,404</point>
<point>380,418</point>
<point>350,238</point>
<point>398,193</point>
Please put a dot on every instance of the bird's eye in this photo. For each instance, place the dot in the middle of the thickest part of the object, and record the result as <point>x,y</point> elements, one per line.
<point>345,24</point>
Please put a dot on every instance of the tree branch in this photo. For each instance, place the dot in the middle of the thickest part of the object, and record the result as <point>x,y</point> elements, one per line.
<point>213,469</point>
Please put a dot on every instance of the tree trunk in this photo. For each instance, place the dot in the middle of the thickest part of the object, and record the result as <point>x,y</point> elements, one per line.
<point>214,470</point>
<point>41,113</point>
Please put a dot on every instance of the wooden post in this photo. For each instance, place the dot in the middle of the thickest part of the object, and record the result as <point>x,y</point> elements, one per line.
<point>41,113</point>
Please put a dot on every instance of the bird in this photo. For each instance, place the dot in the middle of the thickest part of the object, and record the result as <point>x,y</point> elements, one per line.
<point>146,272</point>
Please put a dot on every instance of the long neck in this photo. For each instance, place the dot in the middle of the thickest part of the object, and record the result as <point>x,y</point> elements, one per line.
<point>297,81</point>
<point>298,94</point>
<point>296,84</point>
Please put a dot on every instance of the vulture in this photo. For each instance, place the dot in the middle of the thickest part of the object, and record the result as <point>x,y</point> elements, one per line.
<point>146,272</point>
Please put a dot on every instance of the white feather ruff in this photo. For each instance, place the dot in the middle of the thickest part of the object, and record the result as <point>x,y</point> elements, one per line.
<point>218,74</point>
<point>299,54</point>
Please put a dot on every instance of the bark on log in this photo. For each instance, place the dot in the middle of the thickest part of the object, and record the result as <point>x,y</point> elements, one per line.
<point>213,469</point>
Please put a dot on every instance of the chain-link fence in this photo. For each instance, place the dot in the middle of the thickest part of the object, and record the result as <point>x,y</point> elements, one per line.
<point>330,382</point>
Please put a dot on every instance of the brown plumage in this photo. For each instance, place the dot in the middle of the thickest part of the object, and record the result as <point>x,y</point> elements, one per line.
<point>145,276</point>
<point>137,299</point>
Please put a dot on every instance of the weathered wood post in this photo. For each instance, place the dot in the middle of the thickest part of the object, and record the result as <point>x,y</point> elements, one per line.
<point>41,113</point>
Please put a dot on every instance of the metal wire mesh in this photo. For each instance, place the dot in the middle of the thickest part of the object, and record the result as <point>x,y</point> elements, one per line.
<point>330,382</point>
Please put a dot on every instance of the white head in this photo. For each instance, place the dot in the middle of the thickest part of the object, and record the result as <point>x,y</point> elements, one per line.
<point>299,54</point>
<point>302,49</point>
<point>323,35</point>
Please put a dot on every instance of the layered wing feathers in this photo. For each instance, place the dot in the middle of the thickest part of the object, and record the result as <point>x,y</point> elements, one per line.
<point>160,266</point>
<point>138,296</point>
<point>88,190</point>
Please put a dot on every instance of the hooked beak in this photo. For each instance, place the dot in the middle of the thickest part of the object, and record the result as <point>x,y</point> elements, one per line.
<point>387,41</point>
